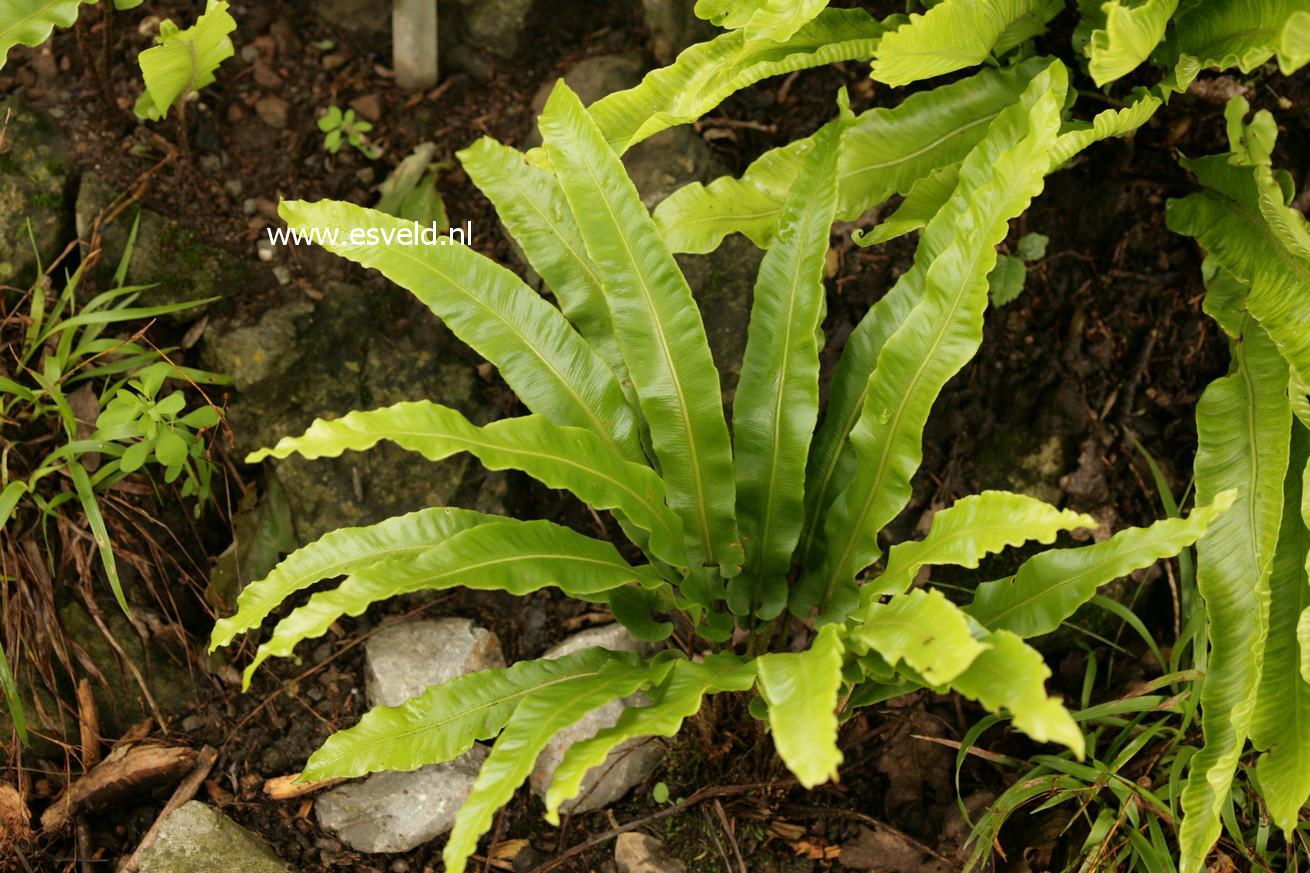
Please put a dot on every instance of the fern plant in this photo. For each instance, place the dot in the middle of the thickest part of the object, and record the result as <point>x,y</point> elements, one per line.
<point>780,513</point>
<point>1252,439</point>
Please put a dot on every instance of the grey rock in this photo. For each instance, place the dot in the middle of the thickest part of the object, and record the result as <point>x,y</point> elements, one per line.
<point>34,185</point>
<point>196,838</point>
<point>641,853</point>
<point>178,262</point>
<point>673,26</point>
<point>495,25</point>
<point>394,812</point>
<point>591,79</point>
<point>404,660</point>
<point>628,763</point>
<point>302,361</point>
<point>360,19</point>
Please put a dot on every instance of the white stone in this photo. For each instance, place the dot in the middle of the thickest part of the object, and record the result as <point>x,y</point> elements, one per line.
<point>627,763</point>
<point>394,812</point>
<point>404,660</point>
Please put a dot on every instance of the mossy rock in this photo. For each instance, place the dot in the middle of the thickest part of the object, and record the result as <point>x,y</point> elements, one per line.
<point>120,701</point>
<point>34,186</point>
<point>180,265</point>
<point>303,361</point>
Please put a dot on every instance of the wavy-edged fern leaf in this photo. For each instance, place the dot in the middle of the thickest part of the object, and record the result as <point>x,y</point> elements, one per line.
<point>520,557</point>
<point>997,181</point>
<point>185,59</point>
<point>1242,423</point>
<point>444,721</point>
<point>538,717</point>
<point>885,151</point>
<point>950,36</point>
<point>1127,37</point>
<point>1280,725</point>
<point>760,19</point>
<point>707,73</point>
<point>1253,234</point>
<point>969,530</point>
<point>30,22</point>
<point>925,629</point>
<point>658,326</point>
<point>532,207</point>
<point>1050,586</point>
<point>1010,675</point>
<point>1229,33</point>
<point>801,690</point>
<point>573,458</point>
<point>777,402</point>
<point>339,552</point>
<point>550,367</point>
<point>677,698</point>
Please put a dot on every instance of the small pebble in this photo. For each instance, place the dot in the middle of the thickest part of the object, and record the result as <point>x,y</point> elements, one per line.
<point>233,187</point>
<point>283,274</point>
<point>365,175</point>
<point>331,62</point>
<point>249,52</point>
<point>265,250</point>
<point>248,206</point>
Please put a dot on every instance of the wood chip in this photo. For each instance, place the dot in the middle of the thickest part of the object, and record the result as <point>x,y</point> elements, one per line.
<point>128,770</point>
<point>286,787</point>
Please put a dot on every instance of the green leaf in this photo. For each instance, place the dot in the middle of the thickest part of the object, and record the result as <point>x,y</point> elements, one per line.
<point>1280,725</point>
<point>678,698</point>
<point>185,60</point>
<point>1078,135</point>
<point>1294,43</point>
<point>1127,38</point>
<point>550,367</point>
<point>777,400</point>
<point>957,251</point>
<point>1005,281</point>
<point>518,557</point>
<point>1239,218</point>
<point>1050,586</point>
<point>885,151</point>
<point>1242,424</point>
<point>12,699</point>
<point>96,521</point>
<point>659,329</point>
<point>29,22</point>
<point>538,717</point>
<point>343,551</point>
<point>969,530</point>
<point>1008,674</point>
<point>572,458</point>
<point>706,74</point>
<point>1032,246</point>
<point>925,629</point>
<point>916,209</point>
<point>533,208</point>
<point>760,19</point>
<point>1226,33</point>
<point>950,36</point>
<point>801,689</point>
<point>443,722</point>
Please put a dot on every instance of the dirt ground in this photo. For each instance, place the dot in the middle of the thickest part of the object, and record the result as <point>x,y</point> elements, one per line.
<point>1107,335</point>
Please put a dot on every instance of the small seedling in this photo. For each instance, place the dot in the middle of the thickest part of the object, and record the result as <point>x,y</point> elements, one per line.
<point>338,126</point>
